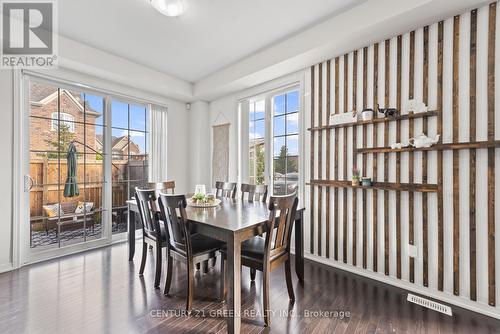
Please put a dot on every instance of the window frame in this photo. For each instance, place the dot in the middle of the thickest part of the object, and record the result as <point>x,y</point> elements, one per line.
<point>269,134</point>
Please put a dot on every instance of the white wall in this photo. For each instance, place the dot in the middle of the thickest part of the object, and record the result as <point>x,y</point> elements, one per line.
<point>6,137</point>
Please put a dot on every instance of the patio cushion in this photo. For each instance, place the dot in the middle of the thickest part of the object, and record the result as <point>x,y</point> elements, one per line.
<point>81,205</point>
<point>53,210</point>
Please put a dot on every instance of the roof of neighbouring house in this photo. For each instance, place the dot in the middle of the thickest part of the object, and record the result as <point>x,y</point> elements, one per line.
<point>117,143</point>
<point>41,94</point>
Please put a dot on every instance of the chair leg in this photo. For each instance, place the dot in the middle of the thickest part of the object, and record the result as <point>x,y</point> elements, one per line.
<point>213,261</point>
<point>252,274</point>
<point>144,255</point>
<point>190,273</point>
<point>266,281</point>
<point>289,284</point>
<point>158,265</point>
<point>168,280</point>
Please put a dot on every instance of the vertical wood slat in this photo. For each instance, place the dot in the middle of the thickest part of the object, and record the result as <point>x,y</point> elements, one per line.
<point>472,154</point>
<point>346,70</point>
<point>491,153</point>
<point>440,156</point>
<point>375,159</point>
<point>411,96</point>
<point>311,196</point>
<point>336,166</point>
<point>425,209</point>
<point>456,198</point>
<point>398,157</point>
<point>354,162</point>
<point>328,133</point>
<point>365,238</point>
<point>386,157</point>
<point>320,156</point>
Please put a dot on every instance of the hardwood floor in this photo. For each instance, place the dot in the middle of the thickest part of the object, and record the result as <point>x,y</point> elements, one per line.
<point>101,292</point>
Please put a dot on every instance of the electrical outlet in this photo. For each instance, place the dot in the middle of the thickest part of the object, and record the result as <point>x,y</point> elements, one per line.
<point>412,251</point>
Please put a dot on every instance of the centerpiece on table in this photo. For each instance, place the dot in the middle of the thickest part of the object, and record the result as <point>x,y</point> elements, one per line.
<point>201,199</point>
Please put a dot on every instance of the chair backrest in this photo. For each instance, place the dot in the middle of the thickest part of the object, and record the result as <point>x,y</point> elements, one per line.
<point>163,187</point>
<point>254,192</point>
<point>173,211</point>
<point>279,226</point>
<point>149,212</point>
<point>225,189</point>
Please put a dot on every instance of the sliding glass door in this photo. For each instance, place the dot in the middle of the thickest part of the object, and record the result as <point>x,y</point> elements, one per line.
<point>66,166</point>
<point>86,152</point>
<point>129,133</point>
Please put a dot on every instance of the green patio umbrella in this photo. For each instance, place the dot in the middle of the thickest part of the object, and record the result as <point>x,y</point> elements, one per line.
<point>71,186</point>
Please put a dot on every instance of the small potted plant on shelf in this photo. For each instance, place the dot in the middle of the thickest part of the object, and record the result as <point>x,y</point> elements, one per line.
<point>356,176</point>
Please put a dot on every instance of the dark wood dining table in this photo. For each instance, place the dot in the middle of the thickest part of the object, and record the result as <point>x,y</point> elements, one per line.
<point>233,221</point>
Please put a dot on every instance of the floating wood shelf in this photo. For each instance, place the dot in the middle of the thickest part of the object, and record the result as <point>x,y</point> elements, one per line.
<point>438,147</point>
<point>418,187</point>
<point>378,120</point>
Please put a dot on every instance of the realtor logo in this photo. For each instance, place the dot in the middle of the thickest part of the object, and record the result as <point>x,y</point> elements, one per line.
<point>28,34</point>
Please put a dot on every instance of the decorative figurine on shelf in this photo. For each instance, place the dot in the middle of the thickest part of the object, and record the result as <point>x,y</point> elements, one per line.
<point>367,114</point>
<point>356,177</point>
<point>388,112</point>
<point>423,141</point>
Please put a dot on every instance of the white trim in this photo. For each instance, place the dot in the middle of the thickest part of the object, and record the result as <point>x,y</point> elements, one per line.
<point>17,173</point>
<point>431,293</point>
<point>63,118</point>
<point>6,267</point>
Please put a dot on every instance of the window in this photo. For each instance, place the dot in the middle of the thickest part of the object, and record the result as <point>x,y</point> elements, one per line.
<point>256,142</point>
<point>129,131</point>
<point>273,141</point>
<point>65,120</point>
<point>285,142</point>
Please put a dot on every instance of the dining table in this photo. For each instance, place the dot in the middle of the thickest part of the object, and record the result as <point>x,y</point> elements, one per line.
<point>232,221</point>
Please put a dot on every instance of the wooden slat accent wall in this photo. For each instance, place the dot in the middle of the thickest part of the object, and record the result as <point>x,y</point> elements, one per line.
<point>369,228</point>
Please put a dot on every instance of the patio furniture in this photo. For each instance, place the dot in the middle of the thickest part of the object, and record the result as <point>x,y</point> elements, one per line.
<point>69,217</point>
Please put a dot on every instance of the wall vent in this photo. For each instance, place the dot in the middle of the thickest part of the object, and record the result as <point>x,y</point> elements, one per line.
<point>429,304</point>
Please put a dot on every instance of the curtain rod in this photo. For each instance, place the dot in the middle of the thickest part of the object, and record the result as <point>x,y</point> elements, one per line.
<point>95,88</point>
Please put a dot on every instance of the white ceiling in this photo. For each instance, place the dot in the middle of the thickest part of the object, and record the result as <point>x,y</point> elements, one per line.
<point>211,35</point>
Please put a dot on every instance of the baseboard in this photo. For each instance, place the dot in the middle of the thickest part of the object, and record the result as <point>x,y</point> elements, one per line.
<point>462,302</point>
<point>6,267</point>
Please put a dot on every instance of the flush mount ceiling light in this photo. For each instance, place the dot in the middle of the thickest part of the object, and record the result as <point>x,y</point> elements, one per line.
<point>168,7</point>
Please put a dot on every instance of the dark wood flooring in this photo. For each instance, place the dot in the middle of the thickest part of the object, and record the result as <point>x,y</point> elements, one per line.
<point>100,292</point>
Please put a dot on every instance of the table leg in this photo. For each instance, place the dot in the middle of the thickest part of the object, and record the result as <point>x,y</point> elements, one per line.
<point>299,246</point>
<point>234,286</point>
<point>131,232</point>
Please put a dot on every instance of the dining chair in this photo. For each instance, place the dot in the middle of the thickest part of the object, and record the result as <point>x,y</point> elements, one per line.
<point>254,192</point>
<point>267,253</point>
<point>225,189</point>
<point>182,245</point>
<point>153,233</point>
<point>163,187</point>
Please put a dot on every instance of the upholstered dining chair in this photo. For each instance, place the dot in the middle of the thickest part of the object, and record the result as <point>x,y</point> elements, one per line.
<point>266,254</point>
<point>181,244</point>
<point>225,189</point>
<point>153,232</point>
<point>254,192</point>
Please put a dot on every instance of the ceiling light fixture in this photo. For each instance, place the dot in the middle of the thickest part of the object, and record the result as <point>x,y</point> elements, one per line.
<point>168,7</point>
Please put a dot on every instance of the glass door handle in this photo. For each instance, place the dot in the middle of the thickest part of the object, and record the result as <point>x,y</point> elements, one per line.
<point>28,183</point>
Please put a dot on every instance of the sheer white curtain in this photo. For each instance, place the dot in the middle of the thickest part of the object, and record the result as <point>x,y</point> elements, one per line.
<point>158,144</point>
